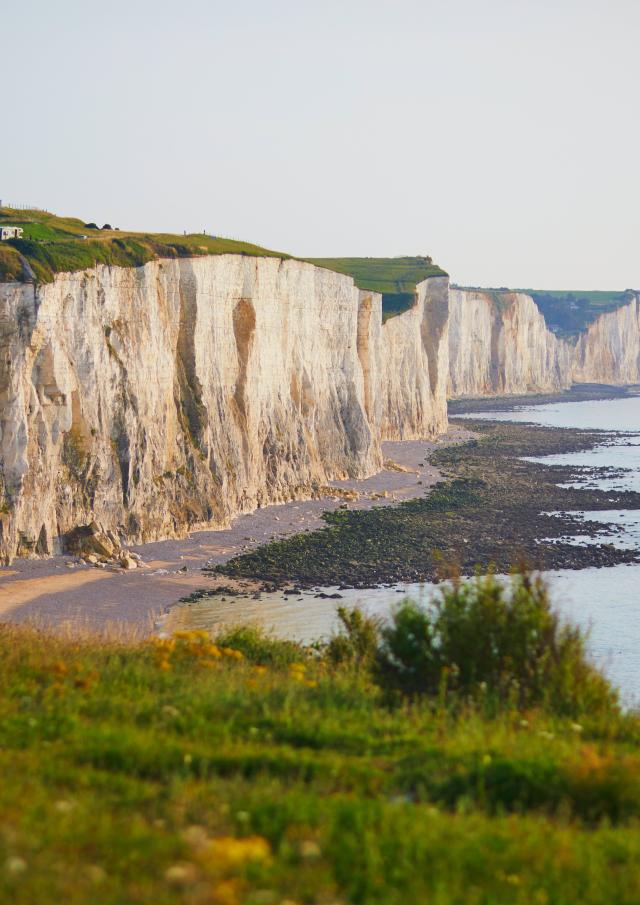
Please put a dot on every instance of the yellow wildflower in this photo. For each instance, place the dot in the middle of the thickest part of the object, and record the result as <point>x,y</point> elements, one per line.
<point>227,852</point>
<point>189,635</point>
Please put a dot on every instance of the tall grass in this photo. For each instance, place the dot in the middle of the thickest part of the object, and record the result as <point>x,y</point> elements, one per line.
<point>244,769</point>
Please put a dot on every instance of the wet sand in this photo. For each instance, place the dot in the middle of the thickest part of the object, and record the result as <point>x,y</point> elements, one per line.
<point>61,592</point>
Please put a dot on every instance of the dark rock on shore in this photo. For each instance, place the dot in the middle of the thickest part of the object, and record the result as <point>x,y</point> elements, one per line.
<point>493,508</point>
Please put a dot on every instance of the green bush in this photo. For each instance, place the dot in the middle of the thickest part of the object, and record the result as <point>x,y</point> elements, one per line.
<point>260,647</point>
<point>357,643</point>
<point>494,638</point>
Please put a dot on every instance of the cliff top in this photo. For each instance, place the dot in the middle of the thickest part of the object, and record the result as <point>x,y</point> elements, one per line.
<point>52,244</point>
<point>567,312</point>
<point>570,312</point>
<point>394,278</point>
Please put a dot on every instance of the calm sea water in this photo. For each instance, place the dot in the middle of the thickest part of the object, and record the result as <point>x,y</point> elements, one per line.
<point>606,601</point>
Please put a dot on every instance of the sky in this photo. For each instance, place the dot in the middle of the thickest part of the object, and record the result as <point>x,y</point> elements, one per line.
<point>501,138</point>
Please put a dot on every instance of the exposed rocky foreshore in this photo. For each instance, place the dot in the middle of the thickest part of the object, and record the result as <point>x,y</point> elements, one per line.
<point>494,507</point>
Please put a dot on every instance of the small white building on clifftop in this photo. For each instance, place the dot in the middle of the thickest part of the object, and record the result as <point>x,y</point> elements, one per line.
<point>10,232</point>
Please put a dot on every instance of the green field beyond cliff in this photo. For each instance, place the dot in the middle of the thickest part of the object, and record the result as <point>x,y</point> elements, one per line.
<point>395,278</point>
<point>568,313</point>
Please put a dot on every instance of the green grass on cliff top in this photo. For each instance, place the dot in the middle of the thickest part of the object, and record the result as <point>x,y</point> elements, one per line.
<point>394,278</point>
<point>54,244</point>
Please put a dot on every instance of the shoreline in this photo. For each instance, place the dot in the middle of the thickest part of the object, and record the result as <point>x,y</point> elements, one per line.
<point>579,392</point>
<point>495,508</point>
<point>65,594</point>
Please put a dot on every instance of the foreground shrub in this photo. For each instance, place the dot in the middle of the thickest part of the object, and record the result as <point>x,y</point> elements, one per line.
<point>494,638</point>
<point>262,648</point>
<point>357,644</point>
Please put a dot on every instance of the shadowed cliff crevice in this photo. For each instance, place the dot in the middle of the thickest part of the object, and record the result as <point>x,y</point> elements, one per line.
<point>244,325</point>
<point>432,330</point>
<point>191,409</point>
<point>364,350</point>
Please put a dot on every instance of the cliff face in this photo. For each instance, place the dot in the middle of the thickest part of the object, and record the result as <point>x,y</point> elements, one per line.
<point>609,351</point>
<point>175,395</point>
<point>499,344</point>
<point>414,366</point>
<point>178,394</point>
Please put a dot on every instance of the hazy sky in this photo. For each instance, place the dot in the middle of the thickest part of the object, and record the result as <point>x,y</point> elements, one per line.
<point>502,138</point>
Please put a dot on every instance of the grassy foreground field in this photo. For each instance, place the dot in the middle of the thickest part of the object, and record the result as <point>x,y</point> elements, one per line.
<point>254,771</point>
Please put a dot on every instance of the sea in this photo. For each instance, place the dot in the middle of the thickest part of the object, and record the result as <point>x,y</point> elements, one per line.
<point>605,602</point>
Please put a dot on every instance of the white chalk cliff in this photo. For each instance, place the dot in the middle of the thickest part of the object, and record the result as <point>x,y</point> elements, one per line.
<point>162,398</point>
<point>175,395</point>
<point>609,350</point>
<point>499,344</point>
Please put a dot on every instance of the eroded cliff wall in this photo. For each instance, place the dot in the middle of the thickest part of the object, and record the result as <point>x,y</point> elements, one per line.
<point>414,366</point>
<point>175,395</point>
<point>499,344</point>
<point>609,351</point>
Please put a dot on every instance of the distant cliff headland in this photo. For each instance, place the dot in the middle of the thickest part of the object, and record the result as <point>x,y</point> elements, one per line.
<point>158,383</point>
